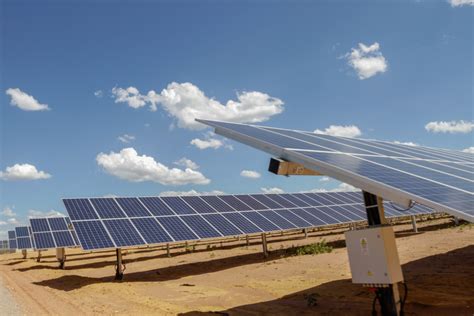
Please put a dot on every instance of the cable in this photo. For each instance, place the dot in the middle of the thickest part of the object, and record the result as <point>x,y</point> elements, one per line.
<point>412,203</point>
<point>402,302</point>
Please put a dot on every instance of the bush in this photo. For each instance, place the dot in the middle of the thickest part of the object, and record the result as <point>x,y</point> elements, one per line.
<point>311,249</point>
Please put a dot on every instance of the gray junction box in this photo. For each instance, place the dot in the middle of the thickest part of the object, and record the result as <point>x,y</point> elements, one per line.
<point>373,256</point>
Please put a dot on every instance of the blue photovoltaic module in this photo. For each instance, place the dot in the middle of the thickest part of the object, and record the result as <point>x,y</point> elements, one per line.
<point>155,220</point>
<point>439,178</point>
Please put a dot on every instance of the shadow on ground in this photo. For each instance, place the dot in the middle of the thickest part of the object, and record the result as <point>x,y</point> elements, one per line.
<point>438,285</point>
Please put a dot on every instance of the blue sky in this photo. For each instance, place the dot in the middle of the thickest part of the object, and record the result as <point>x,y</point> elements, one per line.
<point>67,69</point>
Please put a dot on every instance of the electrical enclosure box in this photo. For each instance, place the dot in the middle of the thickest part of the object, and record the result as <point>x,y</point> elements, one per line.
<point>373,256</point>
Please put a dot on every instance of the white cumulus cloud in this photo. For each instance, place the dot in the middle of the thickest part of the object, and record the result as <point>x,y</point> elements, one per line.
<point>25,101</point>
<point>367,61</point>
<point>23,172</point>
<point>185,102</point>
<point>8,212</point>
<point>51,213</point>
<point>339,130</point>
<point>459,3</point>
<point>209,140</point>
<point>342,187</point>
<point>128,165</point>
<point>273,190</point>
<point>13,221</point>
<point>99,93</point>
<point>207,143</point>
<point>469,150</point>
<point>190,193</point>
<point>125,138</point>
<point>2,223</point>
<point>187,163</point>
<point>452,127</point>
<point>250,174</point>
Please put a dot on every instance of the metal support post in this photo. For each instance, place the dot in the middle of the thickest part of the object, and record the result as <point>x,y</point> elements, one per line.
<point>23,252</point>
<point>120,267</point>
<point>38,259</point>
<point>247,240</point>
<point>168,253</point>
<point>305,232</point>
<point>413,223</point>
<point>264,245</point>
<point>61,256</point>
<point>456,221</point>
<point>185,246</point>
<point>389,297</point>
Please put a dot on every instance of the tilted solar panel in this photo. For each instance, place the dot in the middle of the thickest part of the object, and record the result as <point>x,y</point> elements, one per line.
<point>155,220</point>
<point>52,232</point>
<point>439,178</point>
<point>12,240</point>
<point>23,238</point>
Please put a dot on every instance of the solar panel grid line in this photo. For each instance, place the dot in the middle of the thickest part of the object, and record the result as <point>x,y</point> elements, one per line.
<point>186,224</point>
<point>218,203</point>
<point>100,222</point>
<point>132,207</point>
<point>386,146</point>
<point>373,185</point>
<point>198,205</point>
<point>282,201</point>
<point>350,154</point>
<point>300,214</point>
<point>178,205</point>
<point>154,217</point>
<point>152,230</point>
<point>464,167</point>
<point>224,224</point>
<point>249,208</point>
<point>50,230</point>
<point>451,186</point>
<point>421,150</point>
<point>296,216</point>
<point>266,201</point>
<point>306,215</point>
<point>235,203</point>
<point>295,200</point>
<point>263,222</point>
<point>199,214</point>
<point>351,140</point>
<point>276,218</point>
<point>344,212</point>
<point>130,221</point>
<point>328,211</point>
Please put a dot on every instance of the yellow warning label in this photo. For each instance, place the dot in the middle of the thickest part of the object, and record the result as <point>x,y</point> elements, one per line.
<point>364,246</point>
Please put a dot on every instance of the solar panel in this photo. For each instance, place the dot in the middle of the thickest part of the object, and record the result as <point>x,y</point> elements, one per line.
<point>23,238</point>
<point>4,245</point>
<point>52,232</point>
<point>155,220</point>
<point>439,178</point>
<point>12,240</point>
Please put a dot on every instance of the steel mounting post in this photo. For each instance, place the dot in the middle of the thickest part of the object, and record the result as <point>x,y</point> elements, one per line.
<point>389,296</point>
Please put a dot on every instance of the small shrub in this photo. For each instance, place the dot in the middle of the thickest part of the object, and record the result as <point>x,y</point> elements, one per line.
<point>311,299</point>
<point>311,249</point>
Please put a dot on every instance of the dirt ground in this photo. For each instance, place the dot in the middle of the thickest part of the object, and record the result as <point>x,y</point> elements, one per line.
<point>438,265</point>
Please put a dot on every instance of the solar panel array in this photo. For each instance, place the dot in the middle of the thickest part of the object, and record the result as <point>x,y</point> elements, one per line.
<point>102,223</point>
<point>439,178</point>
<point>12,239</point>
<point>4,244</point>
<point>53,232</point>
<point>23,238</point>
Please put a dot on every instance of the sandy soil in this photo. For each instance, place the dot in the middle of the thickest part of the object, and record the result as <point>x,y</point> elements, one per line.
<point>438,265</point>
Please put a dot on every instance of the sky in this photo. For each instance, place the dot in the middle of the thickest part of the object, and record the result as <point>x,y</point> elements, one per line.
<point>99,97</point>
